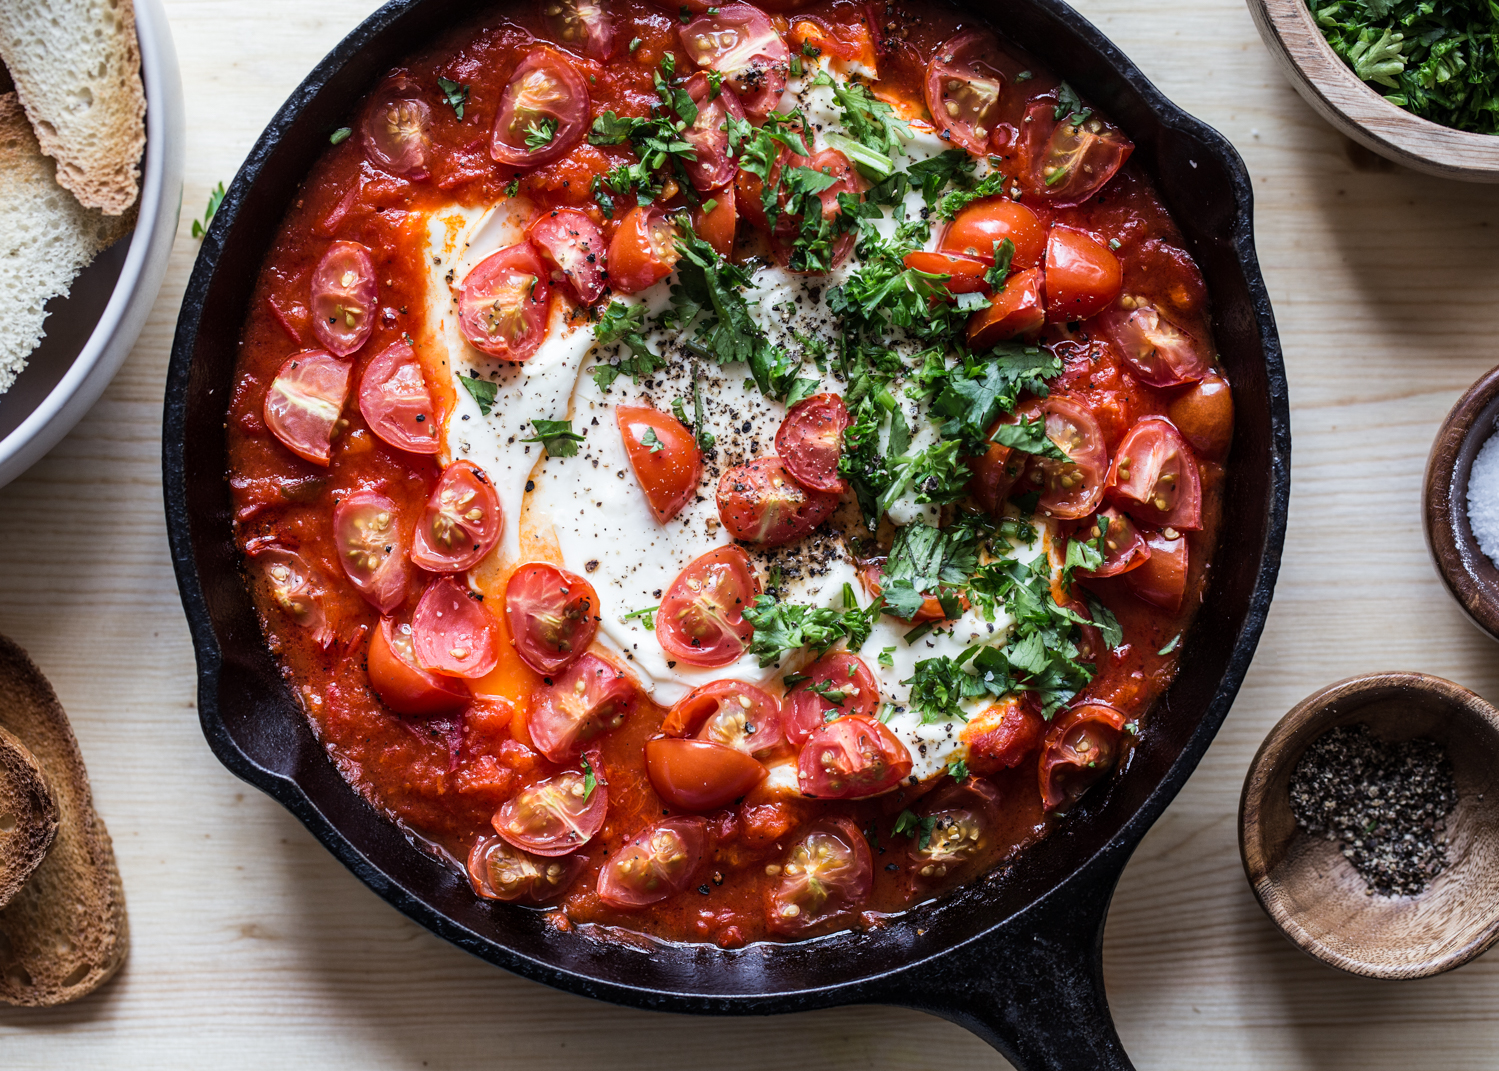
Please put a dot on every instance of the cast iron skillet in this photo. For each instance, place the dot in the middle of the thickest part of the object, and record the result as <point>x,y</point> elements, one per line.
<point>1014,957</point>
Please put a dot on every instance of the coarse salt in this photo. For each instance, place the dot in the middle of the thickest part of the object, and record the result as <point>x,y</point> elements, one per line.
<point>1483,498</point>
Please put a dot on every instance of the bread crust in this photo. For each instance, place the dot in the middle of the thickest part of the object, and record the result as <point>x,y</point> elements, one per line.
<point>28,815</point>
<point>77,70</point>
<point>65,932</point>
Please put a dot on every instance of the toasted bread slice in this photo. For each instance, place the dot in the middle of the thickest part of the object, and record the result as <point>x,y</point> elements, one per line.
<point>46,237</point>
<point>65,932</point>
<point>28,815</point>
<point>77,69</point>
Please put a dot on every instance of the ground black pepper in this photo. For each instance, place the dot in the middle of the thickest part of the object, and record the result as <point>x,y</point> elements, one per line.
<point>1386,805</point>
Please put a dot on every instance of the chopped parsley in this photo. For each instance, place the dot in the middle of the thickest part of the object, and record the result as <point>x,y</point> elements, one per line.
<point>1175,642</point>
<point>918,829</point>
<point>456,94</point>
<point>539,133</point>
<point>556,437</point>
<point>1029,437</point>
<point>1004,253</point>
<point>481,390</point>
<point>990,185</point>
<point>1434,58</point>
<point>625,324</point>
<point>649,439</point>
<point>215,198</point>
<point>781,627</point>
<point>590,780</point>
<point>875,132</point>
<point>647,617</point>
<point>1070,106</point>
<point>341,135</point>
<point>927,562</point>
<point>958,770</point>
<point>972,395</point>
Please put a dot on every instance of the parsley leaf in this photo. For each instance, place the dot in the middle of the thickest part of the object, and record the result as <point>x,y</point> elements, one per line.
<point>781,627</point>
<point>931,176</point>
<point>1004,252</point>
<point>940,685</point>
<point>990,185</point>
<point>482,391</point>
<point>556,437</point>
<point>875,132</point>
<point>647,617</point>
<point>539,134</point>
<point>972,395</point>
<point>907,823</point>
<point>958,770</point>
<point>625,324</point>
<point>455,94</point>
<point>649,439</point>
<point>926,561</point>
<point>590,780</point>
<point>338,137</point>
<point>1070,106</point>
<point>1029,437</point>
<point>215,198</point>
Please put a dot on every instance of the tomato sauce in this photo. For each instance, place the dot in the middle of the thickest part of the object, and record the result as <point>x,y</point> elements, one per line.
<point>443,777</point>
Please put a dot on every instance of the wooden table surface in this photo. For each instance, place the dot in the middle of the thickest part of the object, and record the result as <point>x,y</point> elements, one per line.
<point>252,947</point>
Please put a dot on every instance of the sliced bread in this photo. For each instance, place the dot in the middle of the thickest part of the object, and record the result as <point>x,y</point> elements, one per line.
<point>28,815</point>
<point>77,68</point>
<point>65,932</point>
<point>46,237</point>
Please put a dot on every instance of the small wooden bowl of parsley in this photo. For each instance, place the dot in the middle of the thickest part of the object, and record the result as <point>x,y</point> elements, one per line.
<point>1416,81</point>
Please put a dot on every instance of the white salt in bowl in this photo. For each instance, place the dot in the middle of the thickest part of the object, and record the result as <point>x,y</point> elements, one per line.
<point>1471,576</point>
<point>92,330</point>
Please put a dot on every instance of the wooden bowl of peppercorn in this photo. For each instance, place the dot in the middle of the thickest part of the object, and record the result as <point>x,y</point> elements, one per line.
<point>1369,825</point>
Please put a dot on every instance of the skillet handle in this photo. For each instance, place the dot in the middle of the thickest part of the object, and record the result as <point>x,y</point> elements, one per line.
<point>1033,986</point>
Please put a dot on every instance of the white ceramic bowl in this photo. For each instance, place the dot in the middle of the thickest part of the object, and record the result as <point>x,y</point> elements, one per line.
<point>90,332</point>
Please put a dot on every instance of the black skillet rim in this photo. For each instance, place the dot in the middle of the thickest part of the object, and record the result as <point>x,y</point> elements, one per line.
<point>1097,872</point>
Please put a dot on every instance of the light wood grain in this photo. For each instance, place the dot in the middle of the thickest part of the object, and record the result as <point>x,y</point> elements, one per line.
<point>253,948</point>
<point>1342,98</point>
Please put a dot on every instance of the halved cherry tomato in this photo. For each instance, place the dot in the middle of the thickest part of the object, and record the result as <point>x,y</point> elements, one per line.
<point>553,615</point>
<point>851,758</point>
<point>555,816</point>
<point>836,684</point>
<point>871,575</point>
<point>964,819</point>
<point>657,862</point>
<point>461,522</point>
<point>304,402</point>
<point>701,620</point>
<point>963,88</point>
<point>396,403</point>
<point>297,589</point>
<point>1082,276</point>
<point>1081,747</point>
<point>397,130</point>
<point>810,442</point>
<point>760,502</point>
<point>1160,353</point>
<point>1123,546</point>
<point>1162,579</point>
<point>664,455</point>
<point>372,548</point>
<point>718,225</point>
<point>502,307</point>
<point>731,713</point>
<point>976,229</point>
<point>590,699</point>
<point>739,42</point>
<point>999,736</point>
<point>708,134</point>
<point>965,274</point>
<point>1071,488</point>
<point>1204,415</point>
<point>699,775</point>
<point>543,111</point>
<point>453,634</point>
<point>344,293</point>
<point>1155,476</point>
<point>1018,309</point>
<point>500,871</point>
<point>827,873</point>
<point>1091,647</point>
<point>643,250</point>
<point>404,686</point>
<point>994,474</point>
<point>574,246</point>
<point>584,26</point>
<point>783,235</point>
<point>1072,158</point>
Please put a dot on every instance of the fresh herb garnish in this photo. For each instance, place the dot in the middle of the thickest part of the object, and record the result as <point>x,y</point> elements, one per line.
<point>539,133</point>
<point>215,198</point>
<point>990,185</point>
<point>1175,642</point>
<point>625,324</point>
<point>556,437</point>
<point>919,829</point>
<point>647,617</point>
<point>590,781</point>
<point>649,439</point>
<point>926,561</point>
<point>958,770</point>
<point>455,94</point>
<point>781,627</point>
<point>1029,437</point>
<point>1070,106</point>
<point>341,135</point>
<point>1004,252</point>
<point>482,391</point>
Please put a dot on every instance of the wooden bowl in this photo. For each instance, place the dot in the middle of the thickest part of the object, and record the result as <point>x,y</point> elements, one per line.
<point>1313,893</point>
<point>1467,571</point>
<point>1340,97</point>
